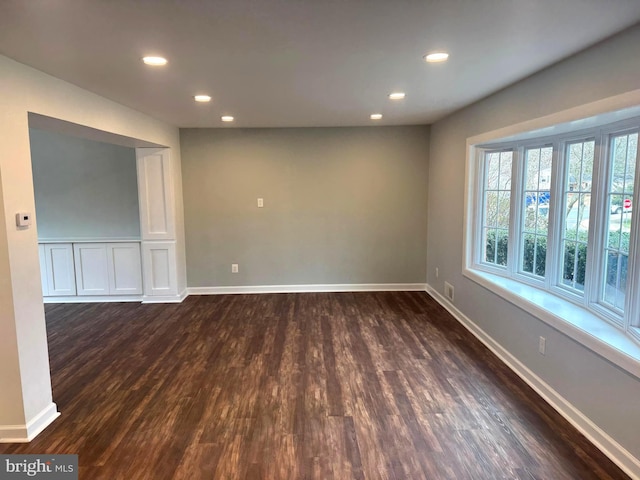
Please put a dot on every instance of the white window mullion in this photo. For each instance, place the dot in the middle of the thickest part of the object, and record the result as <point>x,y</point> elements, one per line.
<point>596,220</point>
<point>556,216</point>
<point>596,256</point>
<point>515,224</point>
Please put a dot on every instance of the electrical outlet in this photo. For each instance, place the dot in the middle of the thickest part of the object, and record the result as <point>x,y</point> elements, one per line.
<point>542,345</point>
<point>234,268</point>
<point>437,272</point>
<point>260,202</point>
<point>448,291</point>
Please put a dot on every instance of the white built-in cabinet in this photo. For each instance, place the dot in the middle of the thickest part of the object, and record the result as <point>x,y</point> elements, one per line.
<point>159,268</point>
<point>125,268</point>
<point>57,269</point>
<point>104,267</point>
<point>108,268</point>
<point>157,224</point>
<point>91,269</point>
<point>92,277</point>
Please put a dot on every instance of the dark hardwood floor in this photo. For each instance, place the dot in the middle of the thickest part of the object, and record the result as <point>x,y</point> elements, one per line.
<point>296,386</point>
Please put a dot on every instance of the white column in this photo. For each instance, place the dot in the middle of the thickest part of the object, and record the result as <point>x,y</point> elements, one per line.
<point>26,404</point>
<point>157,225</point>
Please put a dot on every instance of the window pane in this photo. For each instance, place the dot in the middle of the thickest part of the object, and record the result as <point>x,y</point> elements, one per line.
<point>496,246</point>
<point>491,208</point>
<point>505,171</point>
<point>496,208</point>
<point>623,152</point>
<point>536,209</point>
<point>577,203</point>
<point>504,203</point>
<point>616,280</point>
<point>493,171</point>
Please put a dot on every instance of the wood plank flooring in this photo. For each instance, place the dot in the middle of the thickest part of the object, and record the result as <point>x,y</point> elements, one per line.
<point>296,386</point>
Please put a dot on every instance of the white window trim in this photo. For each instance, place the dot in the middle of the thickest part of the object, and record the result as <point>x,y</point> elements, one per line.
<point>617,345</point>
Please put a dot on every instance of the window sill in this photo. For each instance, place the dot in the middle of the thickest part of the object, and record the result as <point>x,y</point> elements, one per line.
<point>578,323</point>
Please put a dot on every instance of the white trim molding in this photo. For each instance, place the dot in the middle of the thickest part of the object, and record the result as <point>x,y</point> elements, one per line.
<point>94,299</point>
<point>606,110</point>
<point>27,432</point>
<point>332,287</point>
<point>607,445</point>
<point>120,298</point>
<point>165,298</point>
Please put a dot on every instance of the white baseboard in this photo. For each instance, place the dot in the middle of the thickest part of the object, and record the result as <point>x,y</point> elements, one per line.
<point>119,298</point>
<point>333,287</point>
<point>93,299</point>
<point>27,432</point>
<point>165,298</point>
<point>605,443</point>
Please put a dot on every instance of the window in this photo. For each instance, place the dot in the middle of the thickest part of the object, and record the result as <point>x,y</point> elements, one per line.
<point>576,202</point>
<point>496,201</point>
<point>535,214</point>
<point>556,213</point>
<point>623,149</point>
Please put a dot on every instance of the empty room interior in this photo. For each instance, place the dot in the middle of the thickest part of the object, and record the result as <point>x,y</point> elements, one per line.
<point>296,239</point>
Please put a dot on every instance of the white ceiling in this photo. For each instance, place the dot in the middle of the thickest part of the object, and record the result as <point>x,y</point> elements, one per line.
<point>277,63</point>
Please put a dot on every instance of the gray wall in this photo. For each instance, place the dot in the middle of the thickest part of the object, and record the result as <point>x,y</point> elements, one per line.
<point>606,394</point>
<point>83,188</point>
<point>341,205</point>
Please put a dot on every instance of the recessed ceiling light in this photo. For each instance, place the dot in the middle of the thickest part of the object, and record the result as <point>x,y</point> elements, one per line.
<point>397,96</point>
<point>155,61</point>
<point>376,116</point>
<point>227,118</point>
<point>202,98</point>
<point>436,57</point>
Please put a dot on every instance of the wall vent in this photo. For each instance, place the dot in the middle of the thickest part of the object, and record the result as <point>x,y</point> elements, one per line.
<point>448,290</point>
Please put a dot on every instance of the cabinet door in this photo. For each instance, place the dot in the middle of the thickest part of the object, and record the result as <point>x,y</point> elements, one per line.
<point>125,272</point>
<point>159,260</point>
<point>60,271</point>
<point>92,275</point>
